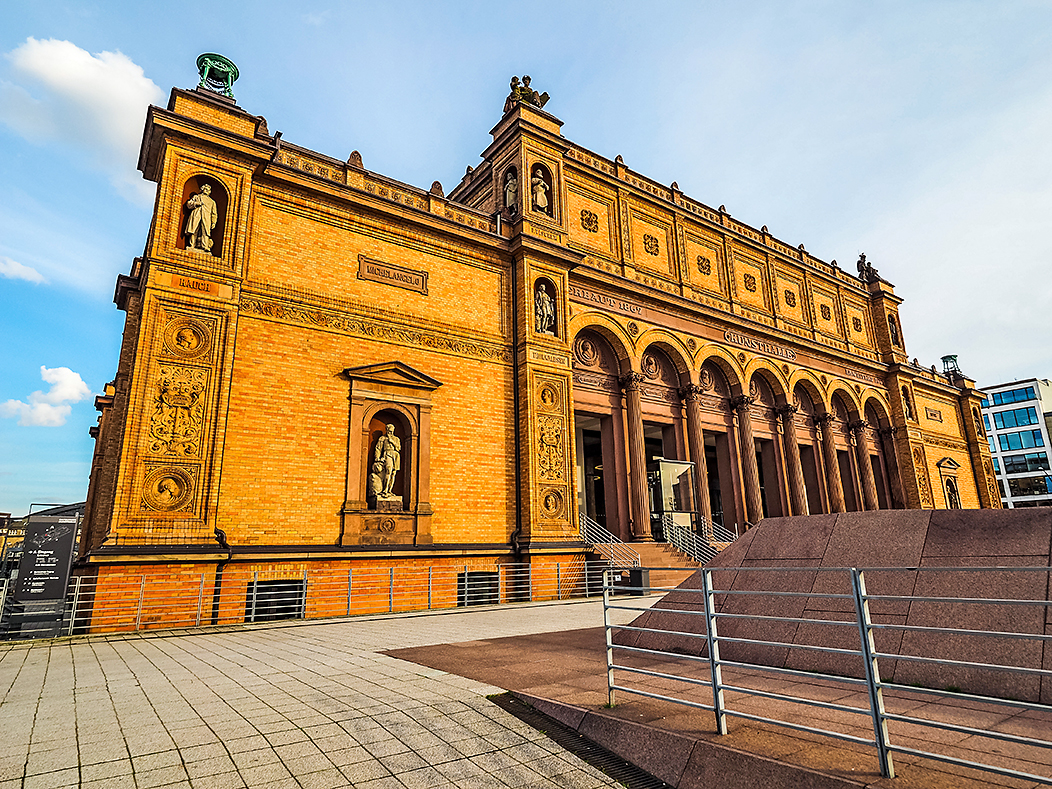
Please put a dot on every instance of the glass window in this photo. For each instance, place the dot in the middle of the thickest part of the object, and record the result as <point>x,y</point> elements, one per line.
<point>986,422</point>
<point>1015,418</point>
<point>997,466</point>
<point>1030,486</point>
<point>1014,396</point>
<point>990,441</point>
<point>1019,464</point>
<point>1024,439</point>
<point>1001,488</point>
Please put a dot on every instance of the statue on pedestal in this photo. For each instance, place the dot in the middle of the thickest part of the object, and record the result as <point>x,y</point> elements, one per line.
<point>202,220</point>
<point>387,460</point>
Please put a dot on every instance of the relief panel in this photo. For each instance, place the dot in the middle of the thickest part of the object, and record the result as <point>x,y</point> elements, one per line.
<point>652,242</point>
<point>590,220</point>
<point>703,268</point>
<point>750,281</point>
<point>858,328</point>
<point>790,298</point>
<point>826,313</point>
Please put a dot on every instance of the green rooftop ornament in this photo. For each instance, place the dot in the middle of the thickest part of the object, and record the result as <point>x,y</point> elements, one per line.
<point>217,74</point>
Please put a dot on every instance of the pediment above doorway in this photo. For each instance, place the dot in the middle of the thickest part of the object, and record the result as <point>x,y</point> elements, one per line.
<point>392,374</point>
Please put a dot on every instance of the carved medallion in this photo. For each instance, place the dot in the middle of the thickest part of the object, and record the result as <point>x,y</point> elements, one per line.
<point>856,324</point>
<point>586,352</point>
<point>167,489</point>
<point>387,525</point>
<point>704,265</point>
<point>706,380</point>
<point>187,338</point>
<point>741,359</point>
<point>175,426</point>
<point>827,314</point>
<point>549,397</point>
<point>552,503</point>
<point>650,365</point>
<point>589,220</point>
<point>790,298</point>
<point>750,283</point>
<point>692,345</point>
<point>633,329</point>
<point>650,244</point>
<point>550,453</point>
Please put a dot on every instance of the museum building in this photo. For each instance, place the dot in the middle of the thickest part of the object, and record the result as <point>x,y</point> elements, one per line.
<point>322,366</point>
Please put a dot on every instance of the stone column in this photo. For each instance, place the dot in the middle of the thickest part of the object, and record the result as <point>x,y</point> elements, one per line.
<point>887,440</point>
<point>865,468</point>
<point>696,444</point>
<point>797,488</point>
<point>747,450</point>
<point>638,490</point>
<point>824,423</point>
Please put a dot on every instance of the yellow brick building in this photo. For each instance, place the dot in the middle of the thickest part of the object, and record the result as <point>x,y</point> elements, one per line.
<point>536,339</point>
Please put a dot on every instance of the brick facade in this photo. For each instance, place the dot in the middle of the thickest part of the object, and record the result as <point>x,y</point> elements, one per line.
<point>255,378</point>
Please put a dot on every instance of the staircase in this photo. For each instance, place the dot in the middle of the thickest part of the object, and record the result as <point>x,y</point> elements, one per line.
<point>668,566</point>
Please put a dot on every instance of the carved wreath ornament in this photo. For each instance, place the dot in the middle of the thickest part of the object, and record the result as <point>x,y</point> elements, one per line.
<point>704,265</point>
<point>750,283</point>
<point>790,298</point>
<point>650,244</point>
<point>589,220</point>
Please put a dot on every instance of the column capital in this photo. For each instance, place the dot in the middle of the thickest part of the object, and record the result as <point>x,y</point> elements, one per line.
<point>742,403</point>
<point>787,411</point>
<point>690,393</point>
<point>888,432</point>
<point>822,420</point>
<point>857,426</point>
<point>630,381</point>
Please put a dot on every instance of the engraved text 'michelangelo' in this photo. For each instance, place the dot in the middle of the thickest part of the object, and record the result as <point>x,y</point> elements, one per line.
<point>390,274</point>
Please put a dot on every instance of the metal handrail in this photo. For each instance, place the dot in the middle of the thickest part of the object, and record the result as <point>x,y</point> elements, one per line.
<point>687,541</point>
<point>873,707</point>
<point>616,551</point>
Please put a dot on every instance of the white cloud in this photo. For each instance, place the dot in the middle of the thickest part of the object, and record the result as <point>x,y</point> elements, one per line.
<point>93,102</point>
<point>50,408</point>
<point>12,269</point>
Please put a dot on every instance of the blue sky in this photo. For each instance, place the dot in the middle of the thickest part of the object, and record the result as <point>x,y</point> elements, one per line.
<point>917,132</point>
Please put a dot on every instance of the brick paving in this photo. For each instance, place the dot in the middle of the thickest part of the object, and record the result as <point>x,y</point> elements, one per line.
<point>307,705</point>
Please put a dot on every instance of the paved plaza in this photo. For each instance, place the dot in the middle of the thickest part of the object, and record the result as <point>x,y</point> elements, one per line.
<point>302,705</point>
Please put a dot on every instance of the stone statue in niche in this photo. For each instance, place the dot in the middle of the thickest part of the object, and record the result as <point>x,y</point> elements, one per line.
<point>511,191</point>
<point>543,310</point>
<point>387,460</point>
<point>540,192</point>
<point>202,220</point>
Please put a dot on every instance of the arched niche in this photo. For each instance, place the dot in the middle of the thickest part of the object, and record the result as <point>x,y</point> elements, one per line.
<point>545,307</point>
<point>218,194</point>
<point>542,189</point>
<point>384,425</point>
<point>389,393</point>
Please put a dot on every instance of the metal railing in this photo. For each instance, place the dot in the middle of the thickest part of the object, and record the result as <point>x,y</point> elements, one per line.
<point>703,666</point>
<point>613,548</point>
<point>687,541</point>
<point>234,594</point>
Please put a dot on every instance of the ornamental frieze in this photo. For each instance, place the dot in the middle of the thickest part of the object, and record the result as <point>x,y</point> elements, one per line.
<point>606,383</point>
<point>363,327</point>
<point>178,411</point>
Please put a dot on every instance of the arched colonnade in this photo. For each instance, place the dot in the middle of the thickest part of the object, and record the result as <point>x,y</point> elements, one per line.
<point>765,439</point>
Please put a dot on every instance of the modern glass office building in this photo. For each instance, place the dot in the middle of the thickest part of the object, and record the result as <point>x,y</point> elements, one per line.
<point>1016,417</point>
